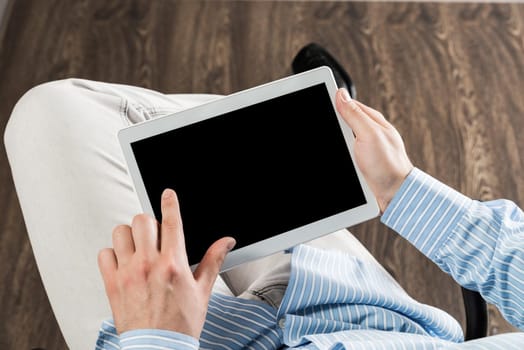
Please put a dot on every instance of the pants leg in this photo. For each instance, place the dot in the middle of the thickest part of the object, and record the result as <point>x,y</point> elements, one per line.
<point>73,187</point>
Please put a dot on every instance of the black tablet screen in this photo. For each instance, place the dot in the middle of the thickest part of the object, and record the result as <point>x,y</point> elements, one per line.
<point>255,172</point>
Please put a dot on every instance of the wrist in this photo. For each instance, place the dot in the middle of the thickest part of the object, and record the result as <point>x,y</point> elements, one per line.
<point>383,201</point>
<point>391,188</point>
<point>159,338</point>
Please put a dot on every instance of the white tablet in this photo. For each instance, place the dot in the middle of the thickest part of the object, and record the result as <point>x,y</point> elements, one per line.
<point>271,166</point>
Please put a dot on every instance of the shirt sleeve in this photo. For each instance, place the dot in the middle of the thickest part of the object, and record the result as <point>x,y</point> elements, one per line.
<point>506,341</point>
<point>152,339</point>
<point>480,244</point>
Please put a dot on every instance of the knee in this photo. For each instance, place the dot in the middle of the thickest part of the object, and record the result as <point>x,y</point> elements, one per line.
<point>38,113</point>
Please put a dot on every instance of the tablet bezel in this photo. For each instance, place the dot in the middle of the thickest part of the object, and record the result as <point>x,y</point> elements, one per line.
<point>236,101</point>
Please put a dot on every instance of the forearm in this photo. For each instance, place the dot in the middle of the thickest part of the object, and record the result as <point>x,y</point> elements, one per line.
<point>481,245</point>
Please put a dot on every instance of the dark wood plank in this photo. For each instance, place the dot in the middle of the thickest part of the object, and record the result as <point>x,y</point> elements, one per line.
<point>449,76</point>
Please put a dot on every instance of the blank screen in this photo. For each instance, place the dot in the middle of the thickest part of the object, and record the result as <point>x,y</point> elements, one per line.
<point>255,172</point>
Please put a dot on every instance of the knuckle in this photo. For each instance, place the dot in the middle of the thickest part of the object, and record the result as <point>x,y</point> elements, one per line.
<point>219,259</point>
<point>128,282</point>
<point>380,137</point>
<point>120,229</point>
<point>143,267</point>
<point>388,125</point>
<point>142,219</point>
<point>111,288</point>
<point>170,268</point>
<point>102,255</point>
<point>170,222</point>
<point>354,107</point>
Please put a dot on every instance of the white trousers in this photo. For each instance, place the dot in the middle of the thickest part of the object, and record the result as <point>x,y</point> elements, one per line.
<point>73,187</point>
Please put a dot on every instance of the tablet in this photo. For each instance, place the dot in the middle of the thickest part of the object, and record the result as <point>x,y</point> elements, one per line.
<point>271,166</point>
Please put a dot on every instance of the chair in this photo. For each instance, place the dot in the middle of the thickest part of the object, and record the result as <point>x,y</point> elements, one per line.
<point>476,314</point>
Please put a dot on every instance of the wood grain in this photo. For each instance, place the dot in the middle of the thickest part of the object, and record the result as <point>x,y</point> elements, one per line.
<point>449,76</point>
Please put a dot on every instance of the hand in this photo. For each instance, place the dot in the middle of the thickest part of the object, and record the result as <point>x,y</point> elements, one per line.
<point>379,150</point>
<point>148,279</point>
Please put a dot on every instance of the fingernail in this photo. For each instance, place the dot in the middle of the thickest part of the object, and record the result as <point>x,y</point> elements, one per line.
<point>231,244</point>
<point>168,193</point>
<point>345,95</point>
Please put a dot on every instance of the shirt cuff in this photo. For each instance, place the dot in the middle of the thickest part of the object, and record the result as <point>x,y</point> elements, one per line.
<point>425,212</point>
<point>152,339</point>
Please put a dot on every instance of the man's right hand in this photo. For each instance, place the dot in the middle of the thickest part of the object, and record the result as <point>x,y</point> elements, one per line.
<point>379,149</point>
<point>147,276</point>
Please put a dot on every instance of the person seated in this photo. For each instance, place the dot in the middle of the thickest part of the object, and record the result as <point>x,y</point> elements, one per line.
<point>77,197</point>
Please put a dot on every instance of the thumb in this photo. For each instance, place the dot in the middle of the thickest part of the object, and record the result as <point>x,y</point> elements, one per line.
<point>207,271</point>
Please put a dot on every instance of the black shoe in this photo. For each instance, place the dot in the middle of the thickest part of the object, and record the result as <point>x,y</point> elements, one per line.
<point>314,56</point>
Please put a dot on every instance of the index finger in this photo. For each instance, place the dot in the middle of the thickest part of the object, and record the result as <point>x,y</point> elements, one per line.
<point>172,234</point>
<point>355,117</point>
<point>373,113</point>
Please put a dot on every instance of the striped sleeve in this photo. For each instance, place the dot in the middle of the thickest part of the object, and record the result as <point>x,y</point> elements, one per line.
<point>156,339</point>
<point>506,341</point>
<point>481,244</point>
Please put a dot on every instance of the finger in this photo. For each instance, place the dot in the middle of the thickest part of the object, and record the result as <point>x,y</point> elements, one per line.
<point>108,265</point>
<point>123,245</point>
<point>373,113</point>
<point>355,117</point>
<point>145,234</point>
<point>172,232</point>
<point>207,271</point>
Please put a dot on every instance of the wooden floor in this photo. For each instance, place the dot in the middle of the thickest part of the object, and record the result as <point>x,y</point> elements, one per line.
<point>449,76</point>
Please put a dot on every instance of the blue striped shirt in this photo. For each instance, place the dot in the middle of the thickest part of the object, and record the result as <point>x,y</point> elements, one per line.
<point>337,301</point>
